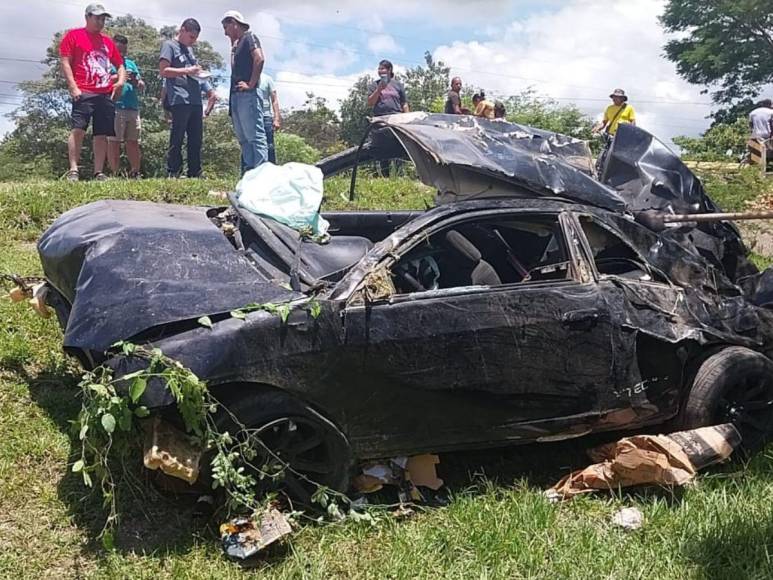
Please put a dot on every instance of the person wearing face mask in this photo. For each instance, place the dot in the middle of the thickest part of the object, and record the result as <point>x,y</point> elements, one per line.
<point>86,55</point>
<point>386,96</point>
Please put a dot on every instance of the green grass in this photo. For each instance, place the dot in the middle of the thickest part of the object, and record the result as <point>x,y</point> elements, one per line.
<point>495,526</point>
<point>733,190</point>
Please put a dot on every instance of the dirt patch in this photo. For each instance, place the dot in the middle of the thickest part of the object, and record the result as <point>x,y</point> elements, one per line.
<point>758,236</point>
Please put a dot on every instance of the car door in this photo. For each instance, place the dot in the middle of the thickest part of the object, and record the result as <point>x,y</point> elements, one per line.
<point>478,364</point>
<point>647,309</point>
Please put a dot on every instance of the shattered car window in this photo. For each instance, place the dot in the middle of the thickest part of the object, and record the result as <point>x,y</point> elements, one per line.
<point>612,256</point>
<point>488,252</point>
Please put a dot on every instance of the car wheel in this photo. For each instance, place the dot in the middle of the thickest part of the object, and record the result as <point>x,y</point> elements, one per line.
<point>733,386</point>
<point>298,449</point>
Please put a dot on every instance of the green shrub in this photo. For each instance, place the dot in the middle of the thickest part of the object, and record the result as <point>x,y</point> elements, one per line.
<point>290,147</point>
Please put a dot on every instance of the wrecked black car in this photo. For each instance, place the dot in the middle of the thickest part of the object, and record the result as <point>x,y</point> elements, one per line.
<point>529,305</point>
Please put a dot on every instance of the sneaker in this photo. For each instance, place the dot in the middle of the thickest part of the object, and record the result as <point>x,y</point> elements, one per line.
<point>100,176</point>
<point>72,175</point>
<point>135,175</point>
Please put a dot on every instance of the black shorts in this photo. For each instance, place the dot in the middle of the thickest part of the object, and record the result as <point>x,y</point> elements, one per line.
<point>100,107</point>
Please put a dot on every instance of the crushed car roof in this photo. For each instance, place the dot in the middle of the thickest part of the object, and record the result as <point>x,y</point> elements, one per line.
<point>466,157</point>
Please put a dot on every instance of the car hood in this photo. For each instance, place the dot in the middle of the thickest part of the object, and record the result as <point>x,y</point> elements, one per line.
<point>126,266</point>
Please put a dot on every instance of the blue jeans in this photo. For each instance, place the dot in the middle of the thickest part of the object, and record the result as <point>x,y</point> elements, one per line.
<point>268,125</point>
<point>247,117</point>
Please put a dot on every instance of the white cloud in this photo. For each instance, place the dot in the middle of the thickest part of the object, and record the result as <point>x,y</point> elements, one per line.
<point>383,43</point>
<point>292,88</point>
<point>573,50</point>
<point>357,13</point>
<point>582,51</point>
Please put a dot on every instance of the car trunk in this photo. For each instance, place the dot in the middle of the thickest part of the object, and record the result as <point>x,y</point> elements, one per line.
<point>122,267</point>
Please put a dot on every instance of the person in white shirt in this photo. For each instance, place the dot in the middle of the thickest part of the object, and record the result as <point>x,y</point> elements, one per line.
<point>272,118</point>
<point>761,121</point>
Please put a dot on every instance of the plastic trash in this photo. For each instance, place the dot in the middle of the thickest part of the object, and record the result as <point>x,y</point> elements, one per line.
<point>289,193</point>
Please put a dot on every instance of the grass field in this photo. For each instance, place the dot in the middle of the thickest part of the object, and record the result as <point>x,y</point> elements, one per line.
<point>497,525</point>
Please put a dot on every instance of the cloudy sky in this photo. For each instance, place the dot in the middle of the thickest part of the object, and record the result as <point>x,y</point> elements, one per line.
<point>575,51</point>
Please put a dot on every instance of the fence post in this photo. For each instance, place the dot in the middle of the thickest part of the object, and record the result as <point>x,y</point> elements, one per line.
<point>758,154</point>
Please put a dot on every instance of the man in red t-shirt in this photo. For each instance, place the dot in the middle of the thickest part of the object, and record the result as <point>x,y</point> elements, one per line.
<point>86,55</point>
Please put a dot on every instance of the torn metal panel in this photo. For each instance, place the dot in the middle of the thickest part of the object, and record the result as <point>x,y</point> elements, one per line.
<point>648,175</point>
<point>467,157</point>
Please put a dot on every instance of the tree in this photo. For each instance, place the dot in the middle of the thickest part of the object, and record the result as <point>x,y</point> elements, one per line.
<point>316,123</point>
<point>355,111</point>
<point>717,142</point>
<point>42,121</point>
<point>528,108</point>
<point>725,43</point>
<point>424,85</point>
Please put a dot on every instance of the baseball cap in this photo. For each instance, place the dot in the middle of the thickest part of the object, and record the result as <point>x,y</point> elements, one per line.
<point>97,10</point>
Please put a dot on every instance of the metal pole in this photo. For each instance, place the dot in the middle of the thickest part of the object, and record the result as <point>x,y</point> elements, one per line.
<point>716,217</point>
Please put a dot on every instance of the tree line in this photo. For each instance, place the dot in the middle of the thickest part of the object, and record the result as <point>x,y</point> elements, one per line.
<point>725,46</point>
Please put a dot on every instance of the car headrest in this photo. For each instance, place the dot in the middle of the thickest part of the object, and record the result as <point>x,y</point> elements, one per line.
<point>463,246</point>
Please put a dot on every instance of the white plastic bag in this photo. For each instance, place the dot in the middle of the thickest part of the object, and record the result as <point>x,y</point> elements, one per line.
<point>289,193</point>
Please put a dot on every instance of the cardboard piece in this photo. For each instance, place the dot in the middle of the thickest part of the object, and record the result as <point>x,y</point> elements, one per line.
<point>422,472</point>
<point>17,294</point>
<point>404,472</point>
<point>242,538</point>
<point>171,451</point>
<point>651,459</point>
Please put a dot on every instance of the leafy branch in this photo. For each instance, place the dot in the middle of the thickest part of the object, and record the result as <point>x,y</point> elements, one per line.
<point>241,464</point>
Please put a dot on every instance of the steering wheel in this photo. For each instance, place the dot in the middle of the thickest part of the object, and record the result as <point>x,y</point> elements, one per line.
<point>409,279</point>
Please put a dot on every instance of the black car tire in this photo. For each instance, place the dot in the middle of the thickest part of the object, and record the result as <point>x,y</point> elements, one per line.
<point>286,425</point>
<point>735,386</point>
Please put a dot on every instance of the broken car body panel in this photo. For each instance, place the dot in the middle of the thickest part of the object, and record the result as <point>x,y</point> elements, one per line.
<point>478,322</point>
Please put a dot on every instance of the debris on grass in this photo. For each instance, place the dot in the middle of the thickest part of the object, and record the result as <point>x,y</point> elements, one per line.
<point>628,518</point>
<point>171,451</point>
<point>671,460</point>
<point>406,473</point>
<point>243,538</point>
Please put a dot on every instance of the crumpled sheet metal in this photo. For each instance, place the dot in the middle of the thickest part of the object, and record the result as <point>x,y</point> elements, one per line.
<point>465,157</point>
<point>671,460</point>
<point>136,265</point>
<point>487,152</point>
<point>649,176</point>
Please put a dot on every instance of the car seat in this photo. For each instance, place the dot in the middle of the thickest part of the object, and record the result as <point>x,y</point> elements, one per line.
<point>481,273</point>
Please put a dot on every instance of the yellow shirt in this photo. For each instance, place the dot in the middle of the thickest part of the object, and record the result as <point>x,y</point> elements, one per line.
<point>627,116</point>
<point>485,109</point>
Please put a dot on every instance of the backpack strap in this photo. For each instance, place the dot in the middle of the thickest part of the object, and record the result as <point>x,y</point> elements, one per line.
<point>619,112</point>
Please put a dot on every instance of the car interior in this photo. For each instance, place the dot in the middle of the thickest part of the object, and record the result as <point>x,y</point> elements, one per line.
<point>611,255</point>
<point>486,253</point>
